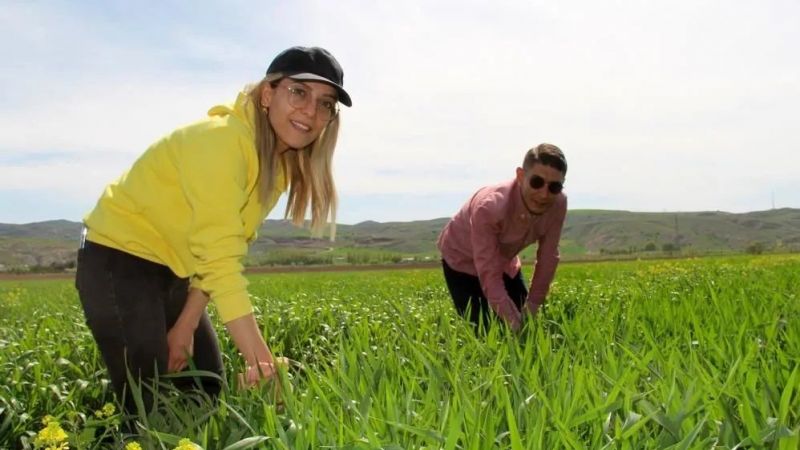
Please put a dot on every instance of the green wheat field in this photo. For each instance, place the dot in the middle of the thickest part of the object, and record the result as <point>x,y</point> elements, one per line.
<point>680,354</point>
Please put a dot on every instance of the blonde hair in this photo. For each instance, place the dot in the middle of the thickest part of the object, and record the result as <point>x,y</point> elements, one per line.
<point>309,170</point>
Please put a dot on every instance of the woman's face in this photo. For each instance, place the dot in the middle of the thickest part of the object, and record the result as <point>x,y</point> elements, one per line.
<point>298,111</point>
<point>539,199</point>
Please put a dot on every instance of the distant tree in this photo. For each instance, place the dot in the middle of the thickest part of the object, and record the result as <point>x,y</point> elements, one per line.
<point>755,248</point>
<point>650,247</point>
<point>357,258</point>
<point>669,247</point>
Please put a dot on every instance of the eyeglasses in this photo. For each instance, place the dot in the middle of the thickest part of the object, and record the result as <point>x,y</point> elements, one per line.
<point>299,97</point>
<point>538,182</point>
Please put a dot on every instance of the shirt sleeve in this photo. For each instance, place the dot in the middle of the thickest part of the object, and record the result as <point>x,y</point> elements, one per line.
<point>214,180</point>
<point>547,258</point>
<point>489,263</point>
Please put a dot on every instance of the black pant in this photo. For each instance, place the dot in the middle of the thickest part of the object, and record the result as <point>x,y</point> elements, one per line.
<point>468,294</point>
<point>130,304</point>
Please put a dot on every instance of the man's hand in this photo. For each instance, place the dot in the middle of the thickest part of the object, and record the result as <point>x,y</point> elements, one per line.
<point>532,308</point>
<point>180,342</point>
<point>515,324</point>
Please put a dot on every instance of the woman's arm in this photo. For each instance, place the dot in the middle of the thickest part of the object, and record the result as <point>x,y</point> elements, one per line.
<point>180,338</point>
<point>247,337</point>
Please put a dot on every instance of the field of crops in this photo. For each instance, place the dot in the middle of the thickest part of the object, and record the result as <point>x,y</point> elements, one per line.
<point>641,355</point>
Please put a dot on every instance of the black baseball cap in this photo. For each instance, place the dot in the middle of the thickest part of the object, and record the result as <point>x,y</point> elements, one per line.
<point>311,64</point>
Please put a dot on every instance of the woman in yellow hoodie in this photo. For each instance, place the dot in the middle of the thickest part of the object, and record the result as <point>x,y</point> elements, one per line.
<point>172,232</point>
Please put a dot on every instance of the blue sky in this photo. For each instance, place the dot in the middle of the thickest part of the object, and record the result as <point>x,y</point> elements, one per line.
<point>659,106</point>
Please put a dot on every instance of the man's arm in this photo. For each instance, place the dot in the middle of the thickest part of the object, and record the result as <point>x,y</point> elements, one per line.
<point>547,258</point>
<point>490,264</point>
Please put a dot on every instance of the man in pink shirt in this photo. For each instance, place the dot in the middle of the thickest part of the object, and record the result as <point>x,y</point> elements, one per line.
<point>481,243</point>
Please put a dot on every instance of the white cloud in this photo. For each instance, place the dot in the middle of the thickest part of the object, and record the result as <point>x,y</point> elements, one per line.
<point>74,178</point>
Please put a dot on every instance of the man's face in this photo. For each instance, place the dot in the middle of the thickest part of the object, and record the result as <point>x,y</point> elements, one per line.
<point>540,186</point>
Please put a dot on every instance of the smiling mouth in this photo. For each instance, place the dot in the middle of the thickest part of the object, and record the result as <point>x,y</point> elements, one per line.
<point>300,126</point>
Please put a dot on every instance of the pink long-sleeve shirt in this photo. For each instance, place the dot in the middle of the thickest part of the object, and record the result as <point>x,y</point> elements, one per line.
<point>486,236</point>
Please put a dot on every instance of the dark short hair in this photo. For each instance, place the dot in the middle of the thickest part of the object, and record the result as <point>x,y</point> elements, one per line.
<point>547,154</point>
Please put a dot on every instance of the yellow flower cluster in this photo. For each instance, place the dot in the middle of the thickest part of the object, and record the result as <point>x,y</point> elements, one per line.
<point>108,410</point>
<point>183,444</point>
<point>52,436</point>
<point>11,296</point>
<point>187,444</point>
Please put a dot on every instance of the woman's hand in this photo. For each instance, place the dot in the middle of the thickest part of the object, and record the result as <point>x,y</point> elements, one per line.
<point>180,338</point>
<point>266,374</point>
<point>261,365</point>
<point>180,342</point>
<point>262,372</point>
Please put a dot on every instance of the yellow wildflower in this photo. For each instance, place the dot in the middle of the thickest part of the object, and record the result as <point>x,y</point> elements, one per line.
<point>133,446</point>
<point>108,410</point>
<point>52,436</point>
<point>61,446</point>
<point>187,444</point>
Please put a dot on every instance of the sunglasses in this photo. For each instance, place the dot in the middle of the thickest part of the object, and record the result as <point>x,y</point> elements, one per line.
<point>538,182</point>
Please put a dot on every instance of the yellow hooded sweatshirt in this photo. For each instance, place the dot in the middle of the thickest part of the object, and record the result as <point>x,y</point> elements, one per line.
<point>191,203</point>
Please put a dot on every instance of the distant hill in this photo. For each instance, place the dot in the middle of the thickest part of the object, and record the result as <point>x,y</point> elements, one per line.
<point>587,233</point>
<point>48,244</point>
<point>598,230</point>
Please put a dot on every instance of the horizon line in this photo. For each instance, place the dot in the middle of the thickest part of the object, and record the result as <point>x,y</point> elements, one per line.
<point>448,217</point>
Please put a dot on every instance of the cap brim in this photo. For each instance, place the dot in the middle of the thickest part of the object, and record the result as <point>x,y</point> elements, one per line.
<point>344,98</point>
